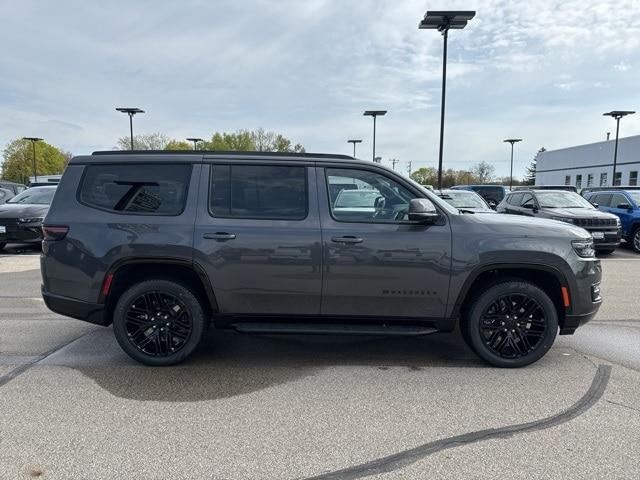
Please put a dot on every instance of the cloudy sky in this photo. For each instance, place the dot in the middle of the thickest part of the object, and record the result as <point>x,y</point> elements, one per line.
<point>544,71</point>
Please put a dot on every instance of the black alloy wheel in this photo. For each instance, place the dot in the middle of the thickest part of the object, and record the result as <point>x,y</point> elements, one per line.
<point>158,322</point>
<point>511,323</point>
<point>635,240</point>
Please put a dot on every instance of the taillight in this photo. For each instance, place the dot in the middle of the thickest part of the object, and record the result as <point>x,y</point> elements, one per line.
<point>54,232</point>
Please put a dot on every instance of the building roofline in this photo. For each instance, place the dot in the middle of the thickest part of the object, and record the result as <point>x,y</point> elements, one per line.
<point>591,144</point>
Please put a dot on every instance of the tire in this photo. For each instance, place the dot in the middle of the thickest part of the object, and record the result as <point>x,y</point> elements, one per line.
<point>172,335</point>
<point>635,240</point>
<point>606,251</point>
<point>490,317</point>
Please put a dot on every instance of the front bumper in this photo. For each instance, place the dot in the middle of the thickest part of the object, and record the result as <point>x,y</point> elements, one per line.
<point>584,295</point>
<point>20,233</point>
<point>72,307</point>
<point>606,239</point>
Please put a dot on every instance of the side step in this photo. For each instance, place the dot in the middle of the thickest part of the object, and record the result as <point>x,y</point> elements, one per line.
<point>333,329</point>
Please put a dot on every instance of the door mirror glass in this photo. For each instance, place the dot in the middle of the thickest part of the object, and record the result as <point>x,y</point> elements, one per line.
<point>422,210</point>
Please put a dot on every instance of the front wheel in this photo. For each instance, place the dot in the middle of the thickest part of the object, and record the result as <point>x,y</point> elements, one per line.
<point>158,322</point>
<point>511,324</point>
<point>635,240</point>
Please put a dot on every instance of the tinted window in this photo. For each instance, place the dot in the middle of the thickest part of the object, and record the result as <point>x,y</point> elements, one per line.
<point>375,198</point>
<point>617,199</point>
<point>515,199</point>
<point>602,199</point>
<point>258,191</point>
<point>151,189</point>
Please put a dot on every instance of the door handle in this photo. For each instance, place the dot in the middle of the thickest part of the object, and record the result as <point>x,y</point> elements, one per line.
<point>219,236</point>
<point>347,239</point>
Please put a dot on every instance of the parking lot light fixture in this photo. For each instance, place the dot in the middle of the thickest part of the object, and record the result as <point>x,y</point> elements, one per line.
<point>131,111</point>
<point>617,114</point>
<point>195,142</point>
<point>512,141</point>
<point>354,145</point>
<point>443,21</point>
<point>33,141</point>
<point>374,114</point>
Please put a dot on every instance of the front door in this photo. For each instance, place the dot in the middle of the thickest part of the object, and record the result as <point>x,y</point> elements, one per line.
<point>257,236</point>
<point>376,262</point>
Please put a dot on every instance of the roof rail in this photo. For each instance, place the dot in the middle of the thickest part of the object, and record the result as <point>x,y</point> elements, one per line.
<point>223,152</point>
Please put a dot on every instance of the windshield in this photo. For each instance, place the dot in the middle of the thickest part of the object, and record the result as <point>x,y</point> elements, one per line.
<point>34,196</point>
<point>357,198</point>
<point>635,196</point>
<point>562,200</point>
<point>463,199</point>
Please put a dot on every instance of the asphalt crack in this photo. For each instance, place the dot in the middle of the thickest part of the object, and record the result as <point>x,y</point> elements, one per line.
<point>403,459</point>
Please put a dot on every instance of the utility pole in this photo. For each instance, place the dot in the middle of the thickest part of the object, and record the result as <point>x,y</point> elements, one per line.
<point>409,168</point>
<point>393,162</point>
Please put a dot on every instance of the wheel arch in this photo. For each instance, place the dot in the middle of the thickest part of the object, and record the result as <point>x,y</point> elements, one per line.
<point>128,272</point>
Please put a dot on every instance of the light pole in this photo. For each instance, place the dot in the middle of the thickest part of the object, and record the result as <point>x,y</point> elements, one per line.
<point>131,111</point>
<point>512,141</point>
<point>354,141</point>
<point>33,141</point>
<point>393,163</point>
<point>617,114</point>
<point>374,114</point>
<point>195,142</point>
<point>443,21</point>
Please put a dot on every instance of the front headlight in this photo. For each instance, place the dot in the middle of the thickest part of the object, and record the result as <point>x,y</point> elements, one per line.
<point>563,219</point>
<point>30,220</point>
<point>584,248</point>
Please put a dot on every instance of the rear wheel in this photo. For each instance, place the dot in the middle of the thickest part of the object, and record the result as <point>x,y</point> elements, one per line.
<point>158,322</point>
<point>511,324</point>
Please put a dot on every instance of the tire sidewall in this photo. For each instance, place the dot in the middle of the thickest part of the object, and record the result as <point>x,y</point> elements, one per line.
<point>186,296</point>
<point>636,233</point>
<point>472,331</point>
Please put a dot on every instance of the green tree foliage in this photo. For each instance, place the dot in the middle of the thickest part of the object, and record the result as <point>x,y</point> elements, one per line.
<point>530,174</point>
<point>425,176</point>
<point>144,141</point>
<point>18,160</point>
<point>178,145</point>
<point>258,140</point>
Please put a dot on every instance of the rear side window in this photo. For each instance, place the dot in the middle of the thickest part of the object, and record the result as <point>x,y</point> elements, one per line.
<point>258,191</point>
<point>149,189</point>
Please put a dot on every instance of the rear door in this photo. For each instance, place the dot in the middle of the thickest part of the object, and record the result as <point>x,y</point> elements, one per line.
<point>377,263</point>
<point>257,236</point>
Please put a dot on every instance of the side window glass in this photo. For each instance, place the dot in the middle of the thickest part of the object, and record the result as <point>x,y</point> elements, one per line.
<point>617,199</point>
<point>515,199</point>
<point>527,200</point>
<point>365,196</point>
<point>602,199</point>
<point>276,192</point>
<point>150,189</point>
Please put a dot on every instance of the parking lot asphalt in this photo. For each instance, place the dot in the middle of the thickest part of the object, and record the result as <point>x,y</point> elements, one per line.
<point>73,405</point>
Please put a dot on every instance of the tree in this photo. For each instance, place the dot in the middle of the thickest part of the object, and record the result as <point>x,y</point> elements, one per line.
<point>530,174</point>
<point>144,141</point>
<point>483,172</point>
<point>425,176</point>
<point>253,141</point>
<point>18,160</point>
<point>174,144</point>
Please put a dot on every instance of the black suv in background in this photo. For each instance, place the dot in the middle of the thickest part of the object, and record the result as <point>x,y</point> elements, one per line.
<point>566,207</point>
<point>21,216</point>
<point>166,244</point>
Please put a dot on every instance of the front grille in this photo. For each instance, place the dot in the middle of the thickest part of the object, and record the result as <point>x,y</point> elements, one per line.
<point>595,222</point>
<point>8,221</point>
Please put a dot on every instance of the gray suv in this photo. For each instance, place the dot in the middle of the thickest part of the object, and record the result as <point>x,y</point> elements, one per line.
<point>164,245</point>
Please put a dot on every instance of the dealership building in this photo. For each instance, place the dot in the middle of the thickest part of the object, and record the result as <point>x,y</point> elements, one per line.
<point>590,165</point>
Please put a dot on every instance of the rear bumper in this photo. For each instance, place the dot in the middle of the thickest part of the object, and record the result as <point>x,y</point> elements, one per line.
<point>71,307</point>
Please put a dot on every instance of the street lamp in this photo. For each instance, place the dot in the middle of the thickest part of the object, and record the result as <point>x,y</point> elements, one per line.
<point>33,141</point>
<point>512,141</point>
<point>195,142</point>
<point>374,114</point>
<point>131,111</point>
<point>617,114</point>
<point>443,21</point>
<point>354,145</point>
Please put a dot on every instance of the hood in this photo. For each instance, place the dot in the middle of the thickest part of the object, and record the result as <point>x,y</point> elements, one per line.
<point>477,210</point>
<point>23,210</point>
<point>521,226</point>
<point>577,213</point>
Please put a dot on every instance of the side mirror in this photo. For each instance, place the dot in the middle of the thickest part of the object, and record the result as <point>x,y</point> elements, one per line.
<point>423,211</point>
<point>624,206</point>
<point>595,205</point>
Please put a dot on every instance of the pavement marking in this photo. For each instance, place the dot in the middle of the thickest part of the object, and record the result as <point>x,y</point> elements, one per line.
<point>23,367</point>
<point>403,459</point>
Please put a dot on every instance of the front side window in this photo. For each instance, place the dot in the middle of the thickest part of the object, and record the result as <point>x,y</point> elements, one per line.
<point>150,189</point>
<point>618,199</point>
<point>364,196</point>
<point>275,192</point>
<point>602,199</point>
<point>515,199</point>
<point>527,201</point>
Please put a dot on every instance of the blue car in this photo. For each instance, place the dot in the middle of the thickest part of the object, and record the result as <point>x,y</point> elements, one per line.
<point>625,203</point>
<point>492,194</point>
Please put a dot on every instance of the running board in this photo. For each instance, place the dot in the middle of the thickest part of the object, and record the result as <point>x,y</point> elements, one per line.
<point>333,329</point>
